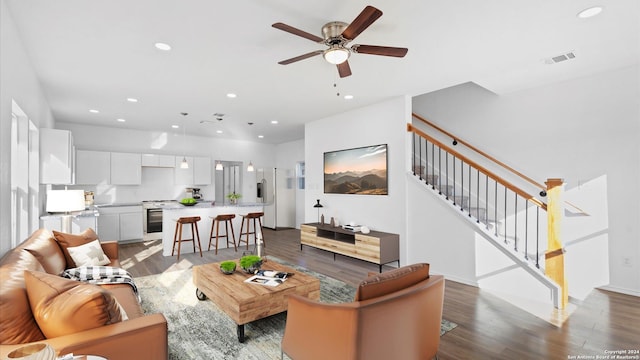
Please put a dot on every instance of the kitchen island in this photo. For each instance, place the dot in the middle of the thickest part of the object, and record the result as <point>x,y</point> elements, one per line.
<point>207,212</point>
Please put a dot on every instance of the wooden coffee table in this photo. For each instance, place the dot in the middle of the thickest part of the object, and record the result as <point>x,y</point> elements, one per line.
<point>244,302</point>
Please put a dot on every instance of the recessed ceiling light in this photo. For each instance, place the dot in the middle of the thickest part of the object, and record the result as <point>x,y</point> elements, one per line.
<point>348,97</point>
<point>274,121</point>
<point>94,111</point>
<point>121,120</point>
<point>133,100</point>
<point>232,95</point>
<point>260,136</point>
<point>590,12</point>
<point>175,126</point>
<point>162,46</point>
<point>219,131</point>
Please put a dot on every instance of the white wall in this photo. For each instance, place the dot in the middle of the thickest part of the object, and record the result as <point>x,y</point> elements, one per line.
<point>287,156</point>
<point>382,123</point>
<point>158,183</point>
<point>19,83</point>
<point>586,131</point>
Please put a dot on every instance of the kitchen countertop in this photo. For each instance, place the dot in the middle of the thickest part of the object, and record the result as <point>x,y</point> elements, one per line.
<point>206,205</point>
<point>85,213</point>
<point>117,204</point>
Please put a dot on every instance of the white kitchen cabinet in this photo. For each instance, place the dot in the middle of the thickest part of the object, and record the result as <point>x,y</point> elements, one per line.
<point>126,169</point>
<point>202,170</point>
<point>78,223</point>
<point>122,223</point>
<point>183,176</point>
<point>158,160</point>
<point>108,226</point>
<point>93,167</point>
<point>198,173</point>
<point>131,225</point>
<point>56,157</point>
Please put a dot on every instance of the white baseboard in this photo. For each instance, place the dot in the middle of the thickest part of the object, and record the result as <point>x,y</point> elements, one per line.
<point>620,290</point>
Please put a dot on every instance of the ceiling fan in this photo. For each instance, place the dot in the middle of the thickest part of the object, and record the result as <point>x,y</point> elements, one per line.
<point>337,35</point>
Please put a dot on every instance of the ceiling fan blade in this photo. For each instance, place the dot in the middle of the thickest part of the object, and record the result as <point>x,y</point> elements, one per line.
<point>294,31</point>
<point>301,57</point>
<point>379,50</point>
<point>361,22</point>
<point>344,69</point>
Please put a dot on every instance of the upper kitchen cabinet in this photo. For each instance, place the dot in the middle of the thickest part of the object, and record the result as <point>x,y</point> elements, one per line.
<point>126,169</point>
<point>183,176</point>
<point>201,171</point>
<point>56,157</point>
<point>198,173</point>
<point>157,160</point>
<point>93,167</point>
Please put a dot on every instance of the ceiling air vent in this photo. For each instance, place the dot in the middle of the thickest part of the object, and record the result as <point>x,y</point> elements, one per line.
<point>560,58</point>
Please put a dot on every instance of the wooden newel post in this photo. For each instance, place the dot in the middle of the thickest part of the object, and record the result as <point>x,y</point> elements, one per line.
<point>554,257</point>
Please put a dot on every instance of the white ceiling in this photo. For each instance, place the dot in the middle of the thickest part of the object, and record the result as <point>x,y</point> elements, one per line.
<point>95,54</point>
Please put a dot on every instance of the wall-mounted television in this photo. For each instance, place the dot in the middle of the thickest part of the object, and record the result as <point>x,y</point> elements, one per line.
<point>361,171</point>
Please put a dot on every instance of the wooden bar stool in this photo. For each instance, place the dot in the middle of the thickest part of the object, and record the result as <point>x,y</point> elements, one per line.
<point>177,237</point>
<point>216,223</point>
<point>248,219</point>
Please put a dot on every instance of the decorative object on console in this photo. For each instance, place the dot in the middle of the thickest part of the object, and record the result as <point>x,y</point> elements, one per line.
<point>361,171</point>
<point>318,206</point>
<point>228,267</point>
<point>364,230</point>
<point>322,219</point>
<point>333,222</point>
<point>65,201</point>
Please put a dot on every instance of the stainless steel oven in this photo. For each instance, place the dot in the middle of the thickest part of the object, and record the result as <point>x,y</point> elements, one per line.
<point>154,220</point>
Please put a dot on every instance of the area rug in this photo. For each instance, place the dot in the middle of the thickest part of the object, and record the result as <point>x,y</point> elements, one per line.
<point>199,330</point>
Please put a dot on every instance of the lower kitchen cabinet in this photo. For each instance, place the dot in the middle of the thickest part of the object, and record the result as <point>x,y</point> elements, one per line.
<point>122,223</point>
<point>78,223</point>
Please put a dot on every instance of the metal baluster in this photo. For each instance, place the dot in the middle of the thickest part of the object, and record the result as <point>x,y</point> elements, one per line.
<point>486,200</point>
<point>462,185</point>
<point>426,161</point>
<point>446,168</point>
<point>505,214</point>
<point>537,237</point>
<point>515,224</point>
<point>495,208</point>
<point>419,159</point>
<point>433,169</point>
<point>454,180</point>
<point>439,170</point>
<point>477,196</point>
<point>469,186</point>
<point>526,229</point>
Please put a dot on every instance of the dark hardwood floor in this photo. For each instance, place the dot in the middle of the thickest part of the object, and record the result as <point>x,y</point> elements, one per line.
<point>488,327</point>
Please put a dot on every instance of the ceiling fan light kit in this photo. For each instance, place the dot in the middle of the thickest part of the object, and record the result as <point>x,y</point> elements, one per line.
<point>337,35</point>
<point>336,55</point>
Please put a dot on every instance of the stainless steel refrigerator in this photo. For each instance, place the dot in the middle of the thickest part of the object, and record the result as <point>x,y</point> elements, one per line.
<point>276,190</point>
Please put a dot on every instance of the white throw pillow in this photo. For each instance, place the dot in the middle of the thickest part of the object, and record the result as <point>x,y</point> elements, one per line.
<point>89,254</point>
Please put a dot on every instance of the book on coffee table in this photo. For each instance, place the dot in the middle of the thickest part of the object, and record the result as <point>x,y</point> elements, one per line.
<point>265,280</point>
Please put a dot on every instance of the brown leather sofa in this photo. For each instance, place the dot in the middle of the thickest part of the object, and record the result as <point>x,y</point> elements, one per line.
<point>138,337</point>
<point>395,315</point>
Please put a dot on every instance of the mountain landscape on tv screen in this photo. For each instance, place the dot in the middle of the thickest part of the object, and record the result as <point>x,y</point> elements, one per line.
<point>370,182</point>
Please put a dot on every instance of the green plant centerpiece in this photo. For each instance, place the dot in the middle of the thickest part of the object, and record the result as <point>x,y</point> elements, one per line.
<point>188,201</point>
<point>233,197</point>
<point>250,263</point>
<point>228,267</point>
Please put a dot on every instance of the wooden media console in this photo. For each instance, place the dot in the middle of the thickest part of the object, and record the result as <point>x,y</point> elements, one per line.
<point>376,246</point>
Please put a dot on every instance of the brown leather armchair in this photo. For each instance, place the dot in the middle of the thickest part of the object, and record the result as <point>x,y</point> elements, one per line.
<point>396,315</point>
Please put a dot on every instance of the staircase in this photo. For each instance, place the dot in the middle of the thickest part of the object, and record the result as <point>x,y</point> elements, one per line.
<point>507,216</point>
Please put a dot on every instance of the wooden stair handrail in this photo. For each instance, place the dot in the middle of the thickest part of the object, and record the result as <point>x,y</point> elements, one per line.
<point>528,179</point>
<point>479,167</point>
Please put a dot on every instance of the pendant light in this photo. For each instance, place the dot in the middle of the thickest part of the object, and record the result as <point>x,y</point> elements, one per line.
<point>184,164</point>
<point>218,165</point>
<point>250,167</point>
